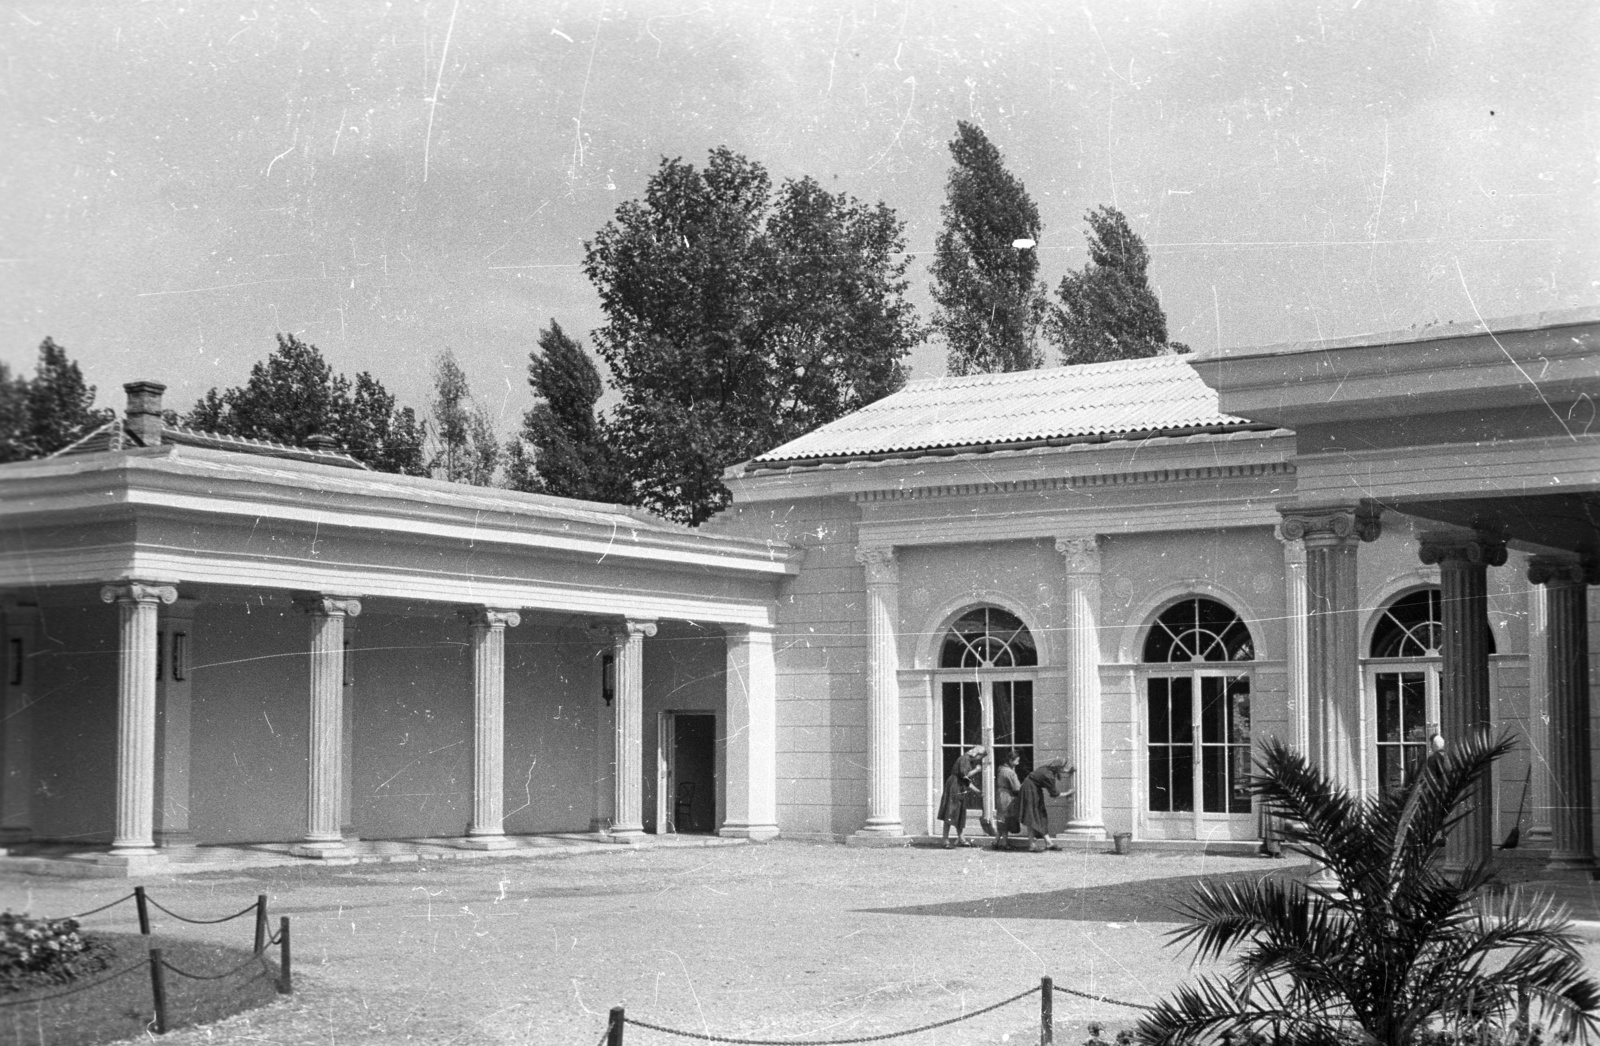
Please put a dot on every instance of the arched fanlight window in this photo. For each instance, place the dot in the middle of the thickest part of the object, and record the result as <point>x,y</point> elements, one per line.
<point>988,637</point>
<point>1198,630</point>
<point>1412,627</point>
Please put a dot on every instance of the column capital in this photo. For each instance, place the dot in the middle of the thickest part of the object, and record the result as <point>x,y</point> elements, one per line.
<point>139,592</point>
<point>639,627</point>
<point>319,604</point>
<point>1082,553</point>
<point>1329,524</point>
<point>1474,547</point>
<point>1555,569</point>
<point>882,566</point>
<point>490,617</point>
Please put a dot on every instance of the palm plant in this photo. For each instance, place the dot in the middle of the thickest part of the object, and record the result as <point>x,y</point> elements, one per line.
<point>1393,951</point>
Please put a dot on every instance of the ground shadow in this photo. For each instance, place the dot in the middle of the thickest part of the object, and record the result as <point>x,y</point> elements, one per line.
<point>1142,900</point>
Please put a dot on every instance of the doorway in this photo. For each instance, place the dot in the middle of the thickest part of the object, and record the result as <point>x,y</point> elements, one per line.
<point>686,797</point>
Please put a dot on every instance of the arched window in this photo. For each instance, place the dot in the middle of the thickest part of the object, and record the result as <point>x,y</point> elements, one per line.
<point>986,694</point>
<point>1197,705</point>
<point>1403,677</point>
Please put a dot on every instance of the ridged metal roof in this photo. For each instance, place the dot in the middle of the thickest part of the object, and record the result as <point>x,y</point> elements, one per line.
<point>1094,401</point>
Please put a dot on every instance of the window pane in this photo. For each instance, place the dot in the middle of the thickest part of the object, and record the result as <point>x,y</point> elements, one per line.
<point>1160,778</point>
<point>1414,702</point>
<point>1213,712</point>
<point>972,714</point>
<point>1182,711</point>
<point>1022,711</point>
<point>1390,768</point>
<point>1198,630</point>
<point>1182,778</point>
<point>1160,722</point>
<point>1388,692</point>
<point>1239,779</point>
<point>952,713</point>
<point>1004,731</point>
<point>1239,715</point>
<point>1214,780</point>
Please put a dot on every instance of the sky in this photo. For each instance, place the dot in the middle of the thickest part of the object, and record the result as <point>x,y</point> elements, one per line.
<point>180,181</point>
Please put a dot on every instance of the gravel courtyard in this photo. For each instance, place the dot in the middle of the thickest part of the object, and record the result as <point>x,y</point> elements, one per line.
<point>784,940</point>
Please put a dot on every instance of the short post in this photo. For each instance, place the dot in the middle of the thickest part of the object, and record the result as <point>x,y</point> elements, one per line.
<point>158,988</point>
<point>261,923</point>
<point>614,1028</point>
<point>1047,1011</point>
<point>144,910</point>
<point>285,984</point>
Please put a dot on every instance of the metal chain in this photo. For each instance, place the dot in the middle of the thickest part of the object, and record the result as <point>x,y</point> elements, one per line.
<point>140,965</point>
<point>1103,998</point>
<point>831,1042</point>
<point>200,922</point>
<point>103,907</point>
<point>257,959</point>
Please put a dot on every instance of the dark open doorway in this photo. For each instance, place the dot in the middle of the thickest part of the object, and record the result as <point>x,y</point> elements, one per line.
<point>692,802</point>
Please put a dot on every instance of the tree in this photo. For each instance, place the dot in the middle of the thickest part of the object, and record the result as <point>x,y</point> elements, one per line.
<point>294,394</point>
<point>13,415</point>
<point>990,302</point>
<point>1107,310</point>
<point>1397,948</point>
<point>465,448</point>
<point>59,406</point>
<point>738,318</point>
<point>571,453</point>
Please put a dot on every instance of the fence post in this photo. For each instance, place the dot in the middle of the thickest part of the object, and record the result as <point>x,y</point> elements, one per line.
<point>261,923</point>
<point>1047,1011</point>
<point>614,1029</point>
<point>158,988</point>
<point>285,985</point>
<point>144,910</point>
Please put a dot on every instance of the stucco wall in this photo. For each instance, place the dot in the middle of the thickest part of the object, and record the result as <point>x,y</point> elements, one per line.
<point>685,670</point>
<point>75,724</point>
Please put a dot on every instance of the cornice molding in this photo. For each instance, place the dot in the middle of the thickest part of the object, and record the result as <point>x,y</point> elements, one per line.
<point>1081,482</point>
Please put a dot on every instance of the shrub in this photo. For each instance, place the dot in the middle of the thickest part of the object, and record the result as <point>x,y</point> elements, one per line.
<point>43,951</point>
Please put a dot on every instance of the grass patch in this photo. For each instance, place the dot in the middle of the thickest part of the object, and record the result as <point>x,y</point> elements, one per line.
<point>123,1007</point>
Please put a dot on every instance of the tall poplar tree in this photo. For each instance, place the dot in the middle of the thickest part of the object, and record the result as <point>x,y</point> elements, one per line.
<point>565,448</point>
<point>990,301</point>
<point>465,449</point>
<point>1107,309</point>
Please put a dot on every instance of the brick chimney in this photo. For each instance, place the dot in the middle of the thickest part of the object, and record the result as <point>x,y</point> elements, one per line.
<point>144,411</point>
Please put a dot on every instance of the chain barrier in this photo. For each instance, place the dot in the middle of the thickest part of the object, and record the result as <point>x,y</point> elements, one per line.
<point>103,907</point>
<point>832,1042</point>
<point>1103,998</point>
<point>254,959</point>
<point>199,922</point>
<point>142,964</point>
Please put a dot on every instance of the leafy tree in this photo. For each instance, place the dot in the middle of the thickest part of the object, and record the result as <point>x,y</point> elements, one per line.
<point>294,394</point>
<point>990,302</point>
<point>1397,948</point>
<point>465,448</point>
<point>59,407</point>
<point>1107,310</point>
<point>738,318</point>
<point>13,415</point>
<point>571,453</point>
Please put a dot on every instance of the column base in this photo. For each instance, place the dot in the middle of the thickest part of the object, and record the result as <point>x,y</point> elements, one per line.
<point>879,834</point>
<point>630,836</point>
<point>133,861</point>
<point>486,842</point>
<point>1081,830</point>
<point>320,849</point>
<point>756,833</point>
<point>1570,866</point>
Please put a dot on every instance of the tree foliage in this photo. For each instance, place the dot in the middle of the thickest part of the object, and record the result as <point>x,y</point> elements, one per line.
<point>1396,950</point>
<point>1107,310</point>
<point>565,448</point>
<point>464,446</point>
<point>738,318</point>
<point>294,394</point>
<point>990,302</point>
<point>56,408</point>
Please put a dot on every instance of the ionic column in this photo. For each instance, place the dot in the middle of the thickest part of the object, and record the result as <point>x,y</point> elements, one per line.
<point>136,712</point>
<point>1083,683</point>
<point>16,728</point>
<point>1331,535</point>
<point>1464,558</point>
<point>487,831</point>
<point>605,750</point>
<point>752,720</point>
<point>883,695</point>
<point>173,726</point>
<point>1566,583</point>
<point>325,780</point>
<point>1539,830</point>
<point>629,812</point>
<point>1296,630</point>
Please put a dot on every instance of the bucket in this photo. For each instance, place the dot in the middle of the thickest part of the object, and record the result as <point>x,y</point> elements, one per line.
<point>1123,841</point>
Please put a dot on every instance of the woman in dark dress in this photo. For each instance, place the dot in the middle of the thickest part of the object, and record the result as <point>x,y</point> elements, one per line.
<point>953,806</point>
<point>1006,790</point>
<point>1031,812</point>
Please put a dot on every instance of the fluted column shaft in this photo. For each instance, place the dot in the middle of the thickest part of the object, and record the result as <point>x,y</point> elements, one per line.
<point>325,783</point>
<point>136,711</point>
<point>1567,660</point>
<point>883,692</point>
<point>1464,710</point>
<point>1331,536</point>
<point>1082,556</point>
<point>752,732</point>
<point>629,806</point>
<point>1296,632</point>
<point>489,719</point>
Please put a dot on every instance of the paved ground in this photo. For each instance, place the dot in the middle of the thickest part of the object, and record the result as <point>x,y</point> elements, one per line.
<point>785,940</point>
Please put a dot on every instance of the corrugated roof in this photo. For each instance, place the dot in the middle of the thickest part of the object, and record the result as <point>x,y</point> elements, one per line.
<point>113,435</point>
<point>1123,399</point>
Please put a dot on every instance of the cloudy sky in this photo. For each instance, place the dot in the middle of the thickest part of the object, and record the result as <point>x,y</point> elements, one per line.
<point>178,181</point>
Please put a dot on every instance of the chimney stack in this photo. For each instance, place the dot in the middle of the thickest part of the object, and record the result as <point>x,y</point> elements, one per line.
<point>144,411</point>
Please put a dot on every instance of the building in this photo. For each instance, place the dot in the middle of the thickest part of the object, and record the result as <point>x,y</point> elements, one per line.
<point>1145,566</point>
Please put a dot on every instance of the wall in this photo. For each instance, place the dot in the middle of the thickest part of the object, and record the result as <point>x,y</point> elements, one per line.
<point>75,723</point>
<point>553,706</point>
<point>685,670</point>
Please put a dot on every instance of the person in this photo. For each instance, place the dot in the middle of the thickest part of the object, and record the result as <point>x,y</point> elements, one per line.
<point>1033,818</point>
<point>1006,789</point>
<point>953,806</point>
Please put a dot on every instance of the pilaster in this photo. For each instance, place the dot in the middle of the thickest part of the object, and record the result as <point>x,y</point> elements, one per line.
<point>1082,558</point>
<point>136,601</point>
<point>752,731</point>
<point>1540,831</point>
<point>325,781</point>
<point>628,821</point>
<point>883,699</point>
<point>487,831</point>
<point>1566,582</point>
<point>1296,629</point>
